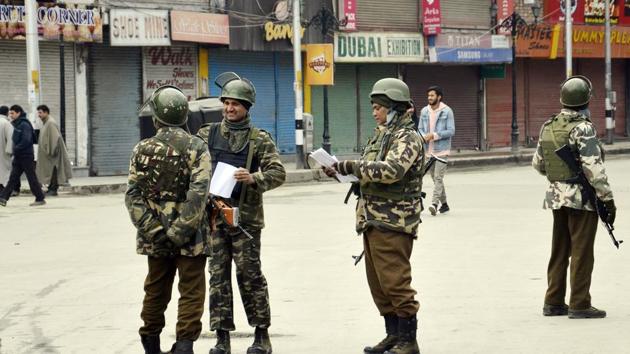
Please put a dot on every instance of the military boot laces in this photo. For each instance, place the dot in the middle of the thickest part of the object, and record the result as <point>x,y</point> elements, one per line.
<point>151,344</point>
<point>262,343</point>
<point>407,343</point>
<point>391,328</point>
<point>223,343</point>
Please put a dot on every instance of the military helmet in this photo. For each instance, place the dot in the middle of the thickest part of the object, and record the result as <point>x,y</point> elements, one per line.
<point>236,87</point>
<point>576,91</point>
<point>169,106</point>
<point>396,90</point>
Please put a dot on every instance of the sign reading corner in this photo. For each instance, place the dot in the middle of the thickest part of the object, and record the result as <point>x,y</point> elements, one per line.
<point>375,47</point>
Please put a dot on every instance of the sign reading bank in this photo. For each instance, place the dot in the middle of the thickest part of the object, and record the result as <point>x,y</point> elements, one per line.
<point>379,47</point>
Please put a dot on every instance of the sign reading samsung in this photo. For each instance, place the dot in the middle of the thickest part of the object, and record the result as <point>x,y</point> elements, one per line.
<point>471,48</point>
<point>374,47</point>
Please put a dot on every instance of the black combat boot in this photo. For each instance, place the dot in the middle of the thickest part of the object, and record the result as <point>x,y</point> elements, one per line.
<point>151,344</point>
<point>591,312</point>
<point>407,343</point>
<point>182,347</point>
<point>391,328</point>
<point>262,344</point>
<point>223,343</point>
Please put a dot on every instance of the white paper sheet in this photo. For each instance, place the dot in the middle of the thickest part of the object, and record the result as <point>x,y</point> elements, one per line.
<point>223,180</point>
<point>325,159</point>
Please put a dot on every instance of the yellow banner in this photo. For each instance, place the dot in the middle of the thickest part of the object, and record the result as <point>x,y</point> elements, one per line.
<point>319,64</point>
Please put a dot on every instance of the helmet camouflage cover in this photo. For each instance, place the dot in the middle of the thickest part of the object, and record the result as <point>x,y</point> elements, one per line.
<point>169,106</point>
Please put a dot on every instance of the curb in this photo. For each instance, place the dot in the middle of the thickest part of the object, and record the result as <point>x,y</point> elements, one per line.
<point>314,176</point>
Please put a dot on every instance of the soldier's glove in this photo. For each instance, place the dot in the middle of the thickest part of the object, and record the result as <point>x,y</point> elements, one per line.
<point>344,167</point>
<point>612,211</point>
<point>162,246</point>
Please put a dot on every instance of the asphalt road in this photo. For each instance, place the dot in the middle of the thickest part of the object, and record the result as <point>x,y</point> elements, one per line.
<point>72,283</point>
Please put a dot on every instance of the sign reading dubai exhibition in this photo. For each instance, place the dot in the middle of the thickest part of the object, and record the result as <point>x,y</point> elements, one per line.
<point>377,47</point>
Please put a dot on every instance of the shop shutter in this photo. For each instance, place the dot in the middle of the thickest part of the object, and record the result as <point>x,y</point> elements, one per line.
<point>115,84</point>
<point>465,13</point>
<point>342,111</point>
<point>540,92</point>
<point>368,75</point>
<point>594,69</point>
<point>460,84</point>
<point>285,103</point>
<point>392,15</point>
<point>257,67</point>
<point>13,80</point>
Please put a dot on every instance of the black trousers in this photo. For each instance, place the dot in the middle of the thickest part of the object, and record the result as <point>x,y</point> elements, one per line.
<point>23,164</point>
<point>54,184</point>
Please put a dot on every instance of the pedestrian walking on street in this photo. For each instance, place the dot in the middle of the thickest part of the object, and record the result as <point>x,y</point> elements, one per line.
<point>169,175</point>
<point>574,218</point>
<point>388,212</point>
<point>235,141</point>
<point>53,164</point>
<point>23,158</point>
<point>437,127</point>
<point>6,146</point>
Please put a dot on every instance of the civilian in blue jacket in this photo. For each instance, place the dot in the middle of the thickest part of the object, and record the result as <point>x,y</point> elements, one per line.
<point>23,157</point>
<point>437,127</point>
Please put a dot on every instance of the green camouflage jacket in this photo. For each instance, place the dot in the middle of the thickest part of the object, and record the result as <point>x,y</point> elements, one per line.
<point>583,139</point>
<point>405,155</point>
<point>157,208</point>
<point>271,175</point>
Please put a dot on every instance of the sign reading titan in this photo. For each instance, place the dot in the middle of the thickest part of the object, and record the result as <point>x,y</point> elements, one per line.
<point>394,47</point>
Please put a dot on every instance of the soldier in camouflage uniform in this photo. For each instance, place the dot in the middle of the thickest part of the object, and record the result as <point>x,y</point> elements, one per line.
<point>237,142</point>
<point>574,219</point>
<point>166,198</point>
<point>388,212</point>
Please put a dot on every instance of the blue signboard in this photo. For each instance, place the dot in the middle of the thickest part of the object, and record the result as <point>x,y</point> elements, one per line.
<point>474,55</point>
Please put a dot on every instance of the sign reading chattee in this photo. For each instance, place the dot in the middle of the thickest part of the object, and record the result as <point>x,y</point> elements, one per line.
<point>431,17</point>
<point>200,27</point>
<point>376,47</point>
<point>129,27</point>
<point>77,23</point>
<point>547,41</point>
<point>319,64</point>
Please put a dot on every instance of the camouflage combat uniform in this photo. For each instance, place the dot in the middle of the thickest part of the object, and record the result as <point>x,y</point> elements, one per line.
<point>388,212</point>
<point>575,222</point>
<point>227,243</point>
<point>166,198</point>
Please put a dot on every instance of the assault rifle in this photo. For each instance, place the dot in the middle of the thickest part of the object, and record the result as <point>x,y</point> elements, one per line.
<point>588,192</point>
<point>354,188</point>
<point>219,208</point>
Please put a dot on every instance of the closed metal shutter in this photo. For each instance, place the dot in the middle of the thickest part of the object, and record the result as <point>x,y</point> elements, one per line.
<point>13,80</point>
<point>539,91</point>
<point>258,67</point>
<point>460,84</point>
<point>368,75</point>
<point>465,14</point>
<point>285,103</point>
<point>594,69</point>
<point>393,15</point>
<point>342,111</point>
<point>115,90</point>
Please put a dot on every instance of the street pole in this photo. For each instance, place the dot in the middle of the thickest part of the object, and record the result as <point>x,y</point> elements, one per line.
<point>568,38</point>
<point>326,135</point>
<point>62,87</point>
<point>610,121</point>
<point>32,59</point>
<point>297,86</point>
<point>515,132</point>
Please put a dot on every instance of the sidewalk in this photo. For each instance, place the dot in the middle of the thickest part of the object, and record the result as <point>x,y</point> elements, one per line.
<point>459,159</point>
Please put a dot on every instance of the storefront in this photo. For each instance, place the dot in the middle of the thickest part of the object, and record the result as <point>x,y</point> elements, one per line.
<point>541,70</point>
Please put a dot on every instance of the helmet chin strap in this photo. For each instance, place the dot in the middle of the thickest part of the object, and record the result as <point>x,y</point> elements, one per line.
<point>390,115</point>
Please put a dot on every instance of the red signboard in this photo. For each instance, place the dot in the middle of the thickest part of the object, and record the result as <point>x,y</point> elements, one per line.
<point>590,12</point>
<point>350,13</point>
<point>431,17</point>
<point>506,7</point>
